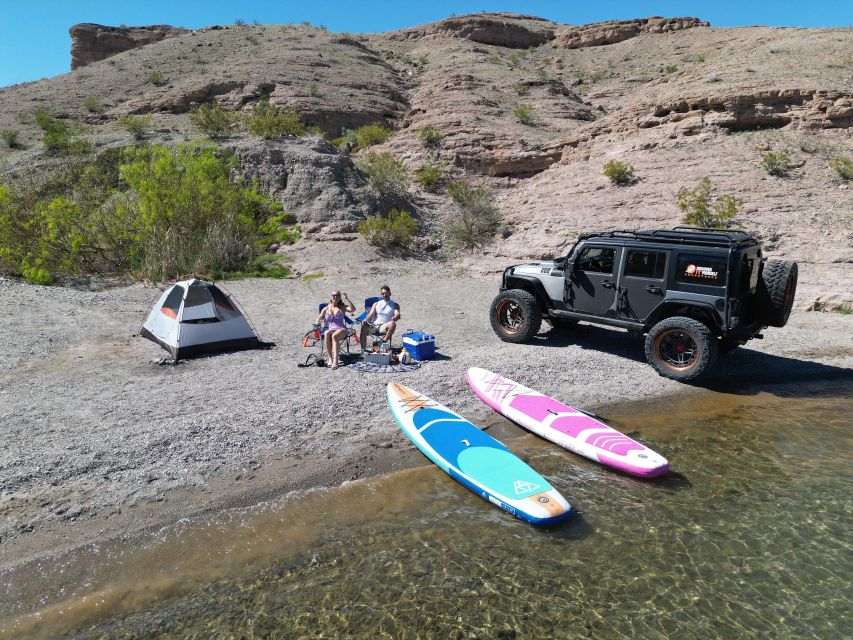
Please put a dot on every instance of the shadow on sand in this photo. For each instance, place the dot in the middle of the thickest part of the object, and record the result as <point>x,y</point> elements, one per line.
<point>743,372</point>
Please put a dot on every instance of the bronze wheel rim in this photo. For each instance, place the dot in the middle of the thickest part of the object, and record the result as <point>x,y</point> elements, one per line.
<point>510,316</point>
<point>677,350</point>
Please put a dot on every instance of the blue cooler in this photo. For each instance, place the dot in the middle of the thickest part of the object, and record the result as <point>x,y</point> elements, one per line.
<point>421,345</point>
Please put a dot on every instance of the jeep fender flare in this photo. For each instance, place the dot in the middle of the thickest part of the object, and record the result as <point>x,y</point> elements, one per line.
<point>532,286</point>
<point>701,311</point>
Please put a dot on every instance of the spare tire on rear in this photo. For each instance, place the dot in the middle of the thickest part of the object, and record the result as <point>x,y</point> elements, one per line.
<point>776,289</point>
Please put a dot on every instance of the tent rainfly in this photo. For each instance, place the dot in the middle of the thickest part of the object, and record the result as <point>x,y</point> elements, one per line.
<point>194,317</point>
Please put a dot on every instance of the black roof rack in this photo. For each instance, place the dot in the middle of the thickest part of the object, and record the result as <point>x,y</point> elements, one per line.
<point>683,235</point>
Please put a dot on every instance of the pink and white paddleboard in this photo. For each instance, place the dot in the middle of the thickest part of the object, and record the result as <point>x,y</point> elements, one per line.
<point>563,425</point>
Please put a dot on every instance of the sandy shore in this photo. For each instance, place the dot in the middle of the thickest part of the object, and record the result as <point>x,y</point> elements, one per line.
<point>96,439</point>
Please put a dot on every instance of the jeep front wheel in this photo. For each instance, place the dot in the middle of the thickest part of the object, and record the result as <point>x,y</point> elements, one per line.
<point>515,315</point>
<point>681,348</point>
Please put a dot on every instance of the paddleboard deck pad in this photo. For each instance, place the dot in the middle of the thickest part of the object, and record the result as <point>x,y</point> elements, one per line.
<point>565,426</point>
<point>475,459</point>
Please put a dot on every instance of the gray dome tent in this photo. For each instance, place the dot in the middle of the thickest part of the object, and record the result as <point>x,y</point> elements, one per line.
<point>195,317</point>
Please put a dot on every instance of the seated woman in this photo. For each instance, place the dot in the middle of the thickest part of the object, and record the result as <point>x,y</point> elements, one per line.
<point>334,315</point>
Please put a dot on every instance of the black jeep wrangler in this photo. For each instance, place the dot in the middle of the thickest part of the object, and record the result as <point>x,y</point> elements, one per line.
<point>693,292</point>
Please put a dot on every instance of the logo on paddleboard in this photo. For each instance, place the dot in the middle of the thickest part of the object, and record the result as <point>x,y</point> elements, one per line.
<point>543,499</point>
<point>522,486</point>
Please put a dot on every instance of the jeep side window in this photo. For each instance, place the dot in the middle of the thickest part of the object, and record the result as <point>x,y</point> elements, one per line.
<point>696,269</point>
<point>646,264</point>
<point>596,260</point>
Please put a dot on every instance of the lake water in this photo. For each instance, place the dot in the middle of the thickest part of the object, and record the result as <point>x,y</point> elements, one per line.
<point>748,537</point>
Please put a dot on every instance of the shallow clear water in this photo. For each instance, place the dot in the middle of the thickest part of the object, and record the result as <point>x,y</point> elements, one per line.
<point>748,537</point>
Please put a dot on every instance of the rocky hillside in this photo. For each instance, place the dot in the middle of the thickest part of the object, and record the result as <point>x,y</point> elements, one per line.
<point>676,98</point>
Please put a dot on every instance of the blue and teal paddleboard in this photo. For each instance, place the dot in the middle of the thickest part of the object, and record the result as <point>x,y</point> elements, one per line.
<point>475,459</point>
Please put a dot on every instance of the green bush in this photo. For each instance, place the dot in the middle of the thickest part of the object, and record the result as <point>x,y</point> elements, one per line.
<point>10,137</point>
<point>672,68</point>
<point>477,216</point>
<point>844,167</point>
<point>152,212</point>
<point>353,140</point>
<point>428,176</point>
<point>701,212</point>
<point>522,89</point>
<point>394,230</point>
<point>593,77</point>
<point>776,164</point>
<point>270,121</point>
<point>429,136</point>
<point>157,79</point>
<point>524,114</point>
<point>92,104</point>
<point>618,172</point>
<point>213,120</point>
<point>60,137</point>
<point>137,126</point>
<point>386,174</point>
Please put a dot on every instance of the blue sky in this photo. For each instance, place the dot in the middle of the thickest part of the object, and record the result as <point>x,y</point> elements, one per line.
<point>34,40</point>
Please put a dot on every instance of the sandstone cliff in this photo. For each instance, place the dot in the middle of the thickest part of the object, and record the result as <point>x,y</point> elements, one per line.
<point>526,106</point>
<point>93,42</point>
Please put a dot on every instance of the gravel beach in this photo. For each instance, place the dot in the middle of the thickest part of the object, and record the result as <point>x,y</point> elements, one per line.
<point>97,439</point>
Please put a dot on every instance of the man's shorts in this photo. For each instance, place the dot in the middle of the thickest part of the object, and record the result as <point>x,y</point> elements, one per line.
<point>381,328</point>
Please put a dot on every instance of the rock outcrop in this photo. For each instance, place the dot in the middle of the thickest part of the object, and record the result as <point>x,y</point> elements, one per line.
<point>601,33</point>
<point>501,29</point>
<point>313,180</point>
<point>92,42</point>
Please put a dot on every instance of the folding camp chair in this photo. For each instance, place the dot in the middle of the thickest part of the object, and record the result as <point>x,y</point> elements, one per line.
<point>374,335</point>
<point>315,336</point>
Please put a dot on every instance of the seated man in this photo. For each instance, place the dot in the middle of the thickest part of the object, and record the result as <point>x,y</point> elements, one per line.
<point>383,316</point>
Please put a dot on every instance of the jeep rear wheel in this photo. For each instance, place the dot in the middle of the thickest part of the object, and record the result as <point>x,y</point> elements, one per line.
<point>515,315</point>
<point>681,348</point>
<point>776,289</point>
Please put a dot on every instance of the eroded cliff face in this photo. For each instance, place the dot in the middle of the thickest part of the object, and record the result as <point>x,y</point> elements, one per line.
<point>602,33</point>
<point>528,107</point>
<point>92,42</point>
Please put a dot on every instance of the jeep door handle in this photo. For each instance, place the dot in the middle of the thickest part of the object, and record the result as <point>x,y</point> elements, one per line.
<point>653,289</point>
<point>607,284</point>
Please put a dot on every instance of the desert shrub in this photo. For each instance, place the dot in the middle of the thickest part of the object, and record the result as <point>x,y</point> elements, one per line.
<point>10,137</point>
<point>157,78</point>
<point>270,121</point>
<point>60,137</point>
<point>386,174</point>
<point>428,176</point>
<point>213,120</point>
<point>137,126</point>
<point>776,164</point>
<point>522,89</point>
<point>394,230</point>
<point>672,68</point>
<point>152,212</point>
<point>594,76</point>
<point>92,104</point>
<point>702,212</point>
<point>618,172</point>
<point>365,136</point>
<point>430,136</point>
<point>844,167</point>
<point>524,114</point>
<point>476,219</point>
